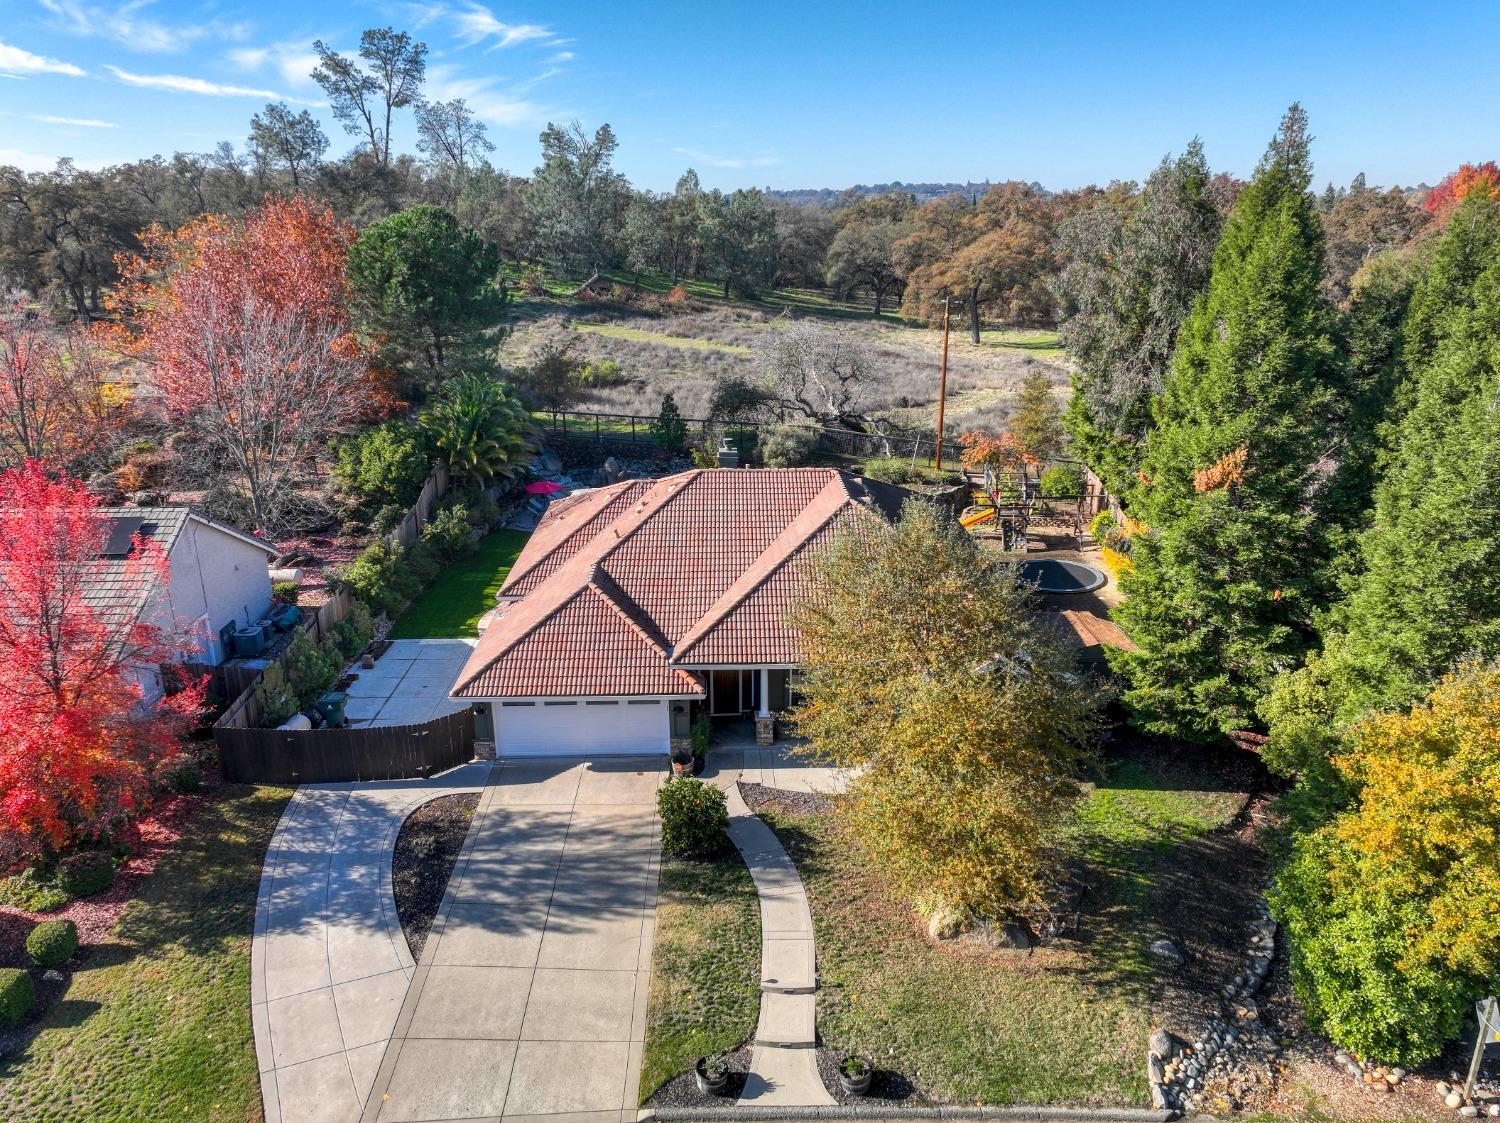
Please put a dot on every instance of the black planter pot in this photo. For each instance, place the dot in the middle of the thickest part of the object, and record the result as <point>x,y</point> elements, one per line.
<point>698,763</point>
<point>710,1085</point>
<point>855,1085</point>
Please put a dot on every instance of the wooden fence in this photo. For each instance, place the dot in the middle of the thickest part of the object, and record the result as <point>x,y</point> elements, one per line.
<point>421,511</point>
<point>324,756</point>
<point>244,711</point>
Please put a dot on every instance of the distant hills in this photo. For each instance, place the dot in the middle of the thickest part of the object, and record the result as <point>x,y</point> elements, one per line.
<point>924,192</point>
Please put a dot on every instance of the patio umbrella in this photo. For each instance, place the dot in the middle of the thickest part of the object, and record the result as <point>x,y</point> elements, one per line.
<point>544,487</point>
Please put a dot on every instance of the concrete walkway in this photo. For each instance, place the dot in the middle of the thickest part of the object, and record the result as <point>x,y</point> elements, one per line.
<point>784,1061</point>
<point>409,684</point>
<point>531,997</point>
<point>329,963</point>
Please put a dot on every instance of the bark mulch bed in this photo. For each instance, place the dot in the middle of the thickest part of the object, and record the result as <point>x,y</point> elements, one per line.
<point>148,839</point>
<point>426,850</point>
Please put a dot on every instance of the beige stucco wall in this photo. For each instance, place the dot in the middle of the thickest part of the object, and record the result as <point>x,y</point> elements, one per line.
<point>214,574</point>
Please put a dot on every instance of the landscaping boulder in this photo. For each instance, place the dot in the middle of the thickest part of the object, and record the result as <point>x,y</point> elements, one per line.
<point>946,924</point>
<point>1168,951</point>
<point>1161,1044</point>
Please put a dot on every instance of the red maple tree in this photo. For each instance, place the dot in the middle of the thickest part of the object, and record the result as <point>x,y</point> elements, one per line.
<point>79,737</point>
<point>245,325</point>
<point>1455,187</point>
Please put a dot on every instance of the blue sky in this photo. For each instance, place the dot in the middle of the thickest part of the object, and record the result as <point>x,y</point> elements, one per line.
<point>793,94</point>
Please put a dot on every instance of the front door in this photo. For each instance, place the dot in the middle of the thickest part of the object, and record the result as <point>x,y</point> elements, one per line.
<point>725,689</point>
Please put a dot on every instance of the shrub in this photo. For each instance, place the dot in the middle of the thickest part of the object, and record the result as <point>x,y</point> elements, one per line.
<point>379,578</point>
<point>34,889</point>
<point>601,374</point>
<point>1116,561</point>
<point>890,470</point>
<point>52,942</point>
<point>788,446</point>
<point>278,701</point>
<point>310,669</point>
<point>1062,481</point>
<point>383,466</point>
<point>693,818</point>
<point>387,519</point>
<point>354,632</point>
<point>17,995</point>
<point>449,535</point>
<point>285,591</point>
<point>422,564</point>
<point>669,430</point>
<point>1101,526</point>
<point>703,732</point>
<point>182,773</point>
<point>550,379</point>
<point>86,872</point>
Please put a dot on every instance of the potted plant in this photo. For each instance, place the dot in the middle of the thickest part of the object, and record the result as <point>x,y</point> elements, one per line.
<point>855,1075</point>
<point>712,1073</point>
<point>682,762</point>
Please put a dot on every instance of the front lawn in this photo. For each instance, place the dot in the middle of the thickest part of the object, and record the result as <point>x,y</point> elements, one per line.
<point>156,1024</point>
<point>1063,1024</point>
<point>451,606</point>
<point>705,966</point>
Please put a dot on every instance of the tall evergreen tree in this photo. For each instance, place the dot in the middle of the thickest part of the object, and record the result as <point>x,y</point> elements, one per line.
<point>1132,274</point>
<point>1426,596</point>
<point>1226,576</point>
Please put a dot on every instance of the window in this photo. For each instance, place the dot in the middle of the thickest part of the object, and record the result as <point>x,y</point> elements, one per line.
<point>559,703</point>
<point>644,702</point>
<point>510,704</point>
<point>601,702</point>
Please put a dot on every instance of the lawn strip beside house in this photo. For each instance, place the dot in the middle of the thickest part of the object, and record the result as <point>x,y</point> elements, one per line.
<point>451,606</point>
<point>157,1023</point>
<point>705,966</point>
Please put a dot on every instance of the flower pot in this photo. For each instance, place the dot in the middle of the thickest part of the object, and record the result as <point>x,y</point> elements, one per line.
<point>855,1085</point>
<point>698,763</point>
<point>710,1085</point>
<point>682,767</point>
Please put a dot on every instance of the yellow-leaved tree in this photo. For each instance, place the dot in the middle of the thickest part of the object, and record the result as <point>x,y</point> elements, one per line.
<point>929,677</point>
<point>1393,909</point>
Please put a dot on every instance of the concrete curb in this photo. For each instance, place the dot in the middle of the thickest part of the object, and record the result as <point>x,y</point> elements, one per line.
<point>750,1114</point>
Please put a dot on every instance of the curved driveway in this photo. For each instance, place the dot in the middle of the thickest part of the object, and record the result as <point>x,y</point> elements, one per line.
<point>540,951</point>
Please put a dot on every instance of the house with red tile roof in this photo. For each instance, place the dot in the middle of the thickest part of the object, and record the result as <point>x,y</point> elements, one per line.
<point>635,605</point>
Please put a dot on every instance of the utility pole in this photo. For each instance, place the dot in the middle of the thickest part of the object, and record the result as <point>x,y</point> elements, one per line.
<point>942,385</point>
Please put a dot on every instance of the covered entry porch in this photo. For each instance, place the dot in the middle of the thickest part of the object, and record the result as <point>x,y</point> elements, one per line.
<point>736,693</point>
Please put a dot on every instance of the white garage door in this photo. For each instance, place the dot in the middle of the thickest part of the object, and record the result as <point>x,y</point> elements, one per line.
<point>617,728</point>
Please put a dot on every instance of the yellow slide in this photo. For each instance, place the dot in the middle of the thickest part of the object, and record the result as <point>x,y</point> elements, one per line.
<point>974,516</point>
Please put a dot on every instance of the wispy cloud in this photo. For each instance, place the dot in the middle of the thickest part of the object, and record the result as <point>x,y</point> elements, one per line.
<point>293,60</point>
<point>477,24</point>
<point>27,161</point>
<point>177,83</point>
<point>132,25</point>
<point>487,97</point>
<point>563,56</point>
<point>76,122</point>
<point>713,161</point>
<point>16,62</point>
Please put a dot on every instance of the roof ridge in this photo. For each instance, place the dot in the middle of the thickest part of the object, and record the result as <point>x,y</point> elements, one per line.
<point>596,499</point>
<point>615,597</point>
<point>814,517</point>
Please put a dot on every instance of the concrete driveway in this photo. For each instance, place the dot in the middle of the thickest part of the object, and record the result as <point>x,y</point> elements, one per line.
<point>409,684</point>
<point>531,997</point>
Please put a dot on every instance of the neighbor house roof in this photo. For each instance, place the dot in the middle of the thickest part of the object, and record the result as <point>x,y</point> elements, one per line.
<point>117,588</point>
<point>623,588</point>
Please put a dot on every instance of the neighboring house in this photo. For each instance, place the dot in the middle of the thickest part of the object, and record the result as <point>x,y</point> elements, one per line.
<point>218,579</point>
<point>631,603</point>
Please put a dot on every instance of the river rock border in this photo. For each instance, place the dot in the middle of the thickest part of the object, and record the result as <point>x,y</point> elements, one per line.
<point>1177,1070</point>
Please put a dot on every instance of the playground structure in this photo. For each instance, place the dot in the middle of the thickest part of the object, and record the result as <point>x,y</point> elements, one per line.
<point>1005,507</point>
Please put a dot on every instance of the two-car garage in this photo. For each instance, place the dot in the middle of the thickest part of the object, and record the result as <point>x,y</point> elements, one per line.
<point>591,726</point>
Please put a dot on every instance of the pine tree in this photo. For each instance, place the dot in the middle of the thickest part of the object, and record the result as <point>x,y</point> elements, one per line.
<point>1037,423</point>
<point>1228,574</point>
<point>1425,597</point>
<point>669,430</point>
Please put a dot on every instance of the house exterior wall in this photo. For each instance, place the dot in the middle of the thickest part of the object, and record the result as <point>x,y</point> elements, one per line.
<point>215,576</point>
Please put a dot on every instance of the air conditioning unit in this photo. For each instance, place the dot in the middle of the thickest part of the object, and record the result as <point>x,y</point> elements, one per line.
<point>249,642</point>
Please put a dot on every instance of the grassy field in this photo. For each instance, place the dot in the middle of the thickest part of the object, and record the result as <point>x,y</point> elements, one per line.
<point>451,606</point>
<point>705,966</point>
<point>157,1025</point>
<point>1064,1024</point>
<point>663,339</point>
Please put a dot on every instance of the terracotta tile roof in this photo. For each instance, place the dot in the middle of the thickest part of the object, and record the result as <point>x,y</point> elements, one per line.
<point>701,567</point>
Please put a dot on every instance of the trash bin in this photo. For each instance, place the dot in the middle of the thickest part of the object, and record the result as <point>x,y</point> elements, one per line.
<point>331,706</point>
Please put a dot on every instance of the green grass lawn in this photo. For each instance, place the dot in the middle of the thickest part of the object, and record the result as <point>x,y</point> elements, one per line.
<point>157,1024</point>
<point>1044,344</point>
<point>705,966</point>
<point>1064,1024</point>
<point>451,606</point>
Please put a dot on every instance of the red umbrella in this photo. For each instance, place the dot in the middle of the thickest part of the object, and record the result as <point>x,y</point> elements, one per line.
<point>544,487</point>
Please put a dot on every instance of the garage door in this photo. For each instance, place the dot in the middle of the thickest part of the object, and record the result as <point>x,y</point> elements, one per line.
<point>616,728</point>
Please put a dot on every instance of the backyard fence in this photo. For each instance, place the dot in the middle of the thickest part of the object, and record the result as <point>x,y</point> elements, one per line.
<point>421,511</point>
<point>625,430</point>
<point>324,756</point>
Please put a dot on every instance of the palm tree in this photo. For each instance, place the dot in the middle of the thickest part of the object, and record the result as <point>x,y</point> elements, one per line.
<point>479,429</point>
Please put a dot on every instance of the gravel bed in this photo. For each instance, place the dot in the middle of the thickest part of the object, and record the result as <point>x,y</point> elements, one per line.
<point>886,1088</point>
<point>759,797</point>
<point>682,1089</point>
<point>426,850</point>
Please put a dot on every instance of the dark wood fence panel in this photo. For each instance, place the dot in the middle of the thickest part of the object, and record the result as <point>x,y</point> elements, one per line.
<point>323,756</point>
